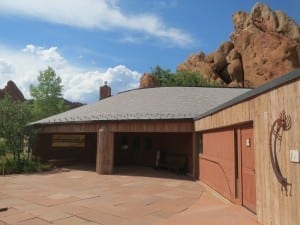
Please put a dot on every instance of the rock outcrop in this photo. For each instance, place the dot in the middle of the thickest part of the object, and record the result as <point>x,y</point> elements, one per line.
<point>264,45</point>
<point>148,81</point>
<point>15,93</point>
<point>12,90</point>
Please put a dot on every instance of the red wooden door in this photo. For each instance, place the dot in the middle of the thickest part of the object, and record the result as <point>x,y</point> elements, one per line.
<point>248,169</point>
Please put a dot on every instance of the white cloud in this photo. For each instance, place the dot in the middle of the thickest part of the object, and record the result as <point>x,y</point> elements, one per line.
<point>80,84</point>
<point>5,67</point>
<point>94,14</point>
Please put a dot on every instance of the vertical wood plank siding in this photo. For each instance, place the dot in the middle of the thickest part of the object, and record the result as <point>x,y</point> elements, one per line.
<point>274,205</point>
<point>123,126</point>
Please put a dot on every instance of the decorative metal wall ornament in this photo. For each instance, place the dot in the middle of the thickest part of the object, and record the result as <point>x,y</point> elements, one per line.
<point>283,123</point>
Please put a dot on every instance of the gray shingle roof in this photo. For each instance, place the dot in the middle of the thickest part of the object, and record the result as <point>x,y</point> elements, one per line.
<point>149,104</point>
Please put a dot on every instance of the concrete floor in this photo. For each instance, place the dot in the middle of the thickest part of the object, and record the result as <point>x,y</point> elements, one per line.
<point>132,196</point>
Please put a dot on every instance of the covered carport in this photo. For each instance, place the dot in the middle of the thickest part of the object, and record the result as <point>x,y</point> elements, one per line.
<point>171,151</point>
<point>136,143</point>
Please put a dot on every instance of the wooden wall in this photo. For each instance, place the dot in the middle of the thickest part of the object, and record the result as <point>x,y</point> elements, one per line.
<point>46,152</point>
<point>274,205</point>
<point>123,126</point>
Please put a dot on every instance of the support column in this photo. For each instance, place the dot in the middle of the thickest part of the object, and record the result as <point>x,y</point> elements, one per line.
<point>105,151</point>
<point>195,156</point>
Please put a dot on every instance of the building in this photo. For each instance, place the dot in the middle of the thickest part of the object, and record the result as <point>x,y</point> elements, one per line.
<point>255,161</point>
<point>243,143</point>
<point>131,127</point>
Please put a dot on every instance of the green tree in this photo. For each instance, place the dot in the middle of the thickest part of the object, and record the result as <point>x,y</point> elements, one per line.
<point>180,78</point>
<point>14,134</point>
<point>47,95</point>
<point>190,79</point>
<point>162,75</point>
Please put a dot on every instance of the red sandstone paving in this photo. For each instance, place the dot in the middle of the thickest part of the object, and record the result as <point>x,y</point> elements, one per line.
<point>211,210</point>
<point>51,215</point>
<point>70,208</point>
<point>71,196</point>
<point>34,221</point>
<point>16,218</point>
<point>74,220</point>
<point>101,217</point>
<point>11,211</point>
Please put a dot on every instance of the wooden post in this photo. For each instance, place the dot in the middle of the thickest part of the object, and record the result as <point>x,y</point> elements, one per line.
<point>195,156</point>
<point>105,151</point>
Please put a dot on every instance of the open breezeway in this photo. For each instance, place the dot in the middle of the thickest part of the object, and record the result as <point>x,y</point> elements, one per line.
<point>133,195</point>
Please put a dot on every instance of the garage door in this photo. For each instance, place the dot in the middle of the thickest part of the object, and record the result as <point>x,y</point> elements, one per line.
<point>217,161</point>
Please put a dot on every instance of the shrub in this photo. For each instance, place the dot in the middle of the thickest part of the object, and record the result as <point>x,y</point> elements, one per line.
<point>22,165</point>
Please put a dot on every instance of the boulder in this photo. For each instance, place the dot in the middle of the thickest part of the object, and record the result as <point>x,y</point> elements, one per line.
<point>235,70</point>
<point>148,81</point>
<point>265,44</point>
<point>266,56</point>
<point>217,61</point>
<point>225,47</point>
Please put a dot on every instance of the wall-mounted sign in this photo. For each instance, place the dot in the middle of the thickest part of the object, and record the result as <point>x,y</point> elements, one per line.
<point>68,140</point>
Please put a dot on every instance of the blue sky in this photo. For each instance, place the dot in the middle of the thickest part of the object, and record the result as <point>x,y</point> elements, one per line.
<point>88,42</point>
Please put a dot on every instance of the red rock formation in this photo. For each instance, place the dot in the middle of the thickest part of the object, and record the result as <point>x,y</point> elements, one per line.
<point>12,90</point>
<point>148,81</point>
<point>264,45</point>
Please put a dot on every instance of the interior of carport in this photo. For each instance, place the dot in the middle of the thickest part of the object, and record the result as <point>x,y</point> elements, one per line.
<point>67,148</point>
<point>129,149</point>
<point>172,151</point>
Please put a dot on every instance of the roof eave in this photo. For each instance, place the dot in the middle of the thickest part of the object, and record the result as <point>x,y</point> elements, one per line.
<point>108,121</point>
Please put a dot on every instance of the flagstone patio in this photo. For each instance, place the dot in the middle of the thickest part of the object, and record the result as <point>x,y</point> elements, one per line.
<point>132,196</point>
